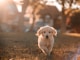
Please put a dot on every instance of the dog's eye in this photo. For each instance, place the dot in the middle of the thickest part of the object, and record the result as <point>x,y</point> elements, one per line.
<point>49,32</point>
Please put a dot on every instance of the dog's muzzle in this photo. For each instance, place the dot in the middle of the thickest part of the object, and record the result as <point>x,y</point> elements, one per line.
<point>47,36</point>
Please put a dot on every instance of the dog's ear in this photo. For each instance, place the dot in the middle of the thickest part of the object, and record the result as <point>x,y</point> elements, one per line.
<point>54,31</point>
<point>39,31</point>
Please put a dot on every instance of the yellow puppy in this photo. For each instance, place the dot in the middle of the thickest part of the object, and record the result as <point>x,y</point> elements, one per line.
<point>46,39</point>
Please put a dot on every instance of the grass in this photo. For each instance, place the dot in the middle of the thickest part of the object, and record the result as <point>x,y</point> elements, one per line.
<point>23,46</point>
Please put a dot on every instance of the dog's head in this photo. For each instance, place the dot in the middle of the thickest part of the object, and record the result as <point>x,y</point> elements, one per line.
<point>46,31</point>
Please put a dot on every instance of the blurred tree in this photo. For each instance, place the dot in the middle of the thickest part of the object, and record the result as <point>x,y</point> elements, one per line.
<point>44,10</point>
<point>34,9</point>
<point>24,6</point>
<point>74,21</point>
<point>62,2</point>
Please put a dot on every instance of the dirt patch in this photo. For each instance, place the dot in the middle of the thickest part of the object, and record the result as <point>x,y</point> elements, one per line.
<point>23,46</point>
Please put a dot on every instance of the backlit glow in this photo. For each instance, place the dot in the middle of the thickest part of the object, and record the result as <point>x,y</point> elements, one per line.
<point>1,1</point>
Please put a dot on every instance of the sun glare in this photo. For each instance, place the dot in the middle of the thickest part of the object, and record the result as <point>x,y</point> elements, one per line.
<point>3,1</point>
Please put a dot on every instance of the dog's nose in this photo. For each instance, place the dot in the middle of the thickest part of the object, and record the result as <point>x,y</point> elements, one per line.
<point>47,37</point>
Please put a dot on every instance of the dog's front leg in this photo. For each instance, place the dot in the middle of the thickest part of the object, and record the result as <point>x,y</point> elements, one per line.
<point>44,50</point>
<point>50,48</point>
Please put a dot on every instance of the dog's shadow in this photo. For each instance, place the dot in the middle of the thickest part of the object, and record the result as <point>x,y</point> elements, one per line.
<point>50,57</point>
<point>41,56</point>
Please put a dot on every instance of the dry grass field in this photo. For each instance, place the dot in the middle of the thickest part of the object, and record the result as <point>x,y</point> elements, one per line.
<point>23,46</point>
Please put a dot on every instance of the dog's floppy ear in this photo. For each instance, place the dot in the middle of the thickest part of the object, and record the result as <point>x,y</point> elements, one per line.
<point>39,31</point>
<point>54,31</point>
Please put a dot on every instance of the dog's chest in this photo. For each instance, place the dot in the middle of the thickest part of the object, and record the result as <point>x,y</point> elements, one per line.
<point>45,42</point>
<point>48,43</point>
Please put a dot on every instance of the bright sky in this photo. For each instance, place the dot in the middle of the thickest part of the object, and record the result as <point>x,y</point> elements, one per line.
<point>18,5</point>
<point>55,3</point>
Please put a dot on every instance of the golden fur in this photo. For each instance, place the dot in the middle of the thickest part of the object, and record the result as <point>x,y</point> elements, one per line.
<point>46,39</point>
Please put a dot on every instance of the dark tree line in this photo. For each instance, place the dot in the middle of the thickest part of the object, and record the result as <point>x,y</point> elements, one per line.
<point>73,21</point>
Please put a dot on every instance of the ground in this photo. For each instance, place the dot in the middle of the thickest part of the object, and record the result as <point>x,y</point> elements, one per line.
<point>23,46</point>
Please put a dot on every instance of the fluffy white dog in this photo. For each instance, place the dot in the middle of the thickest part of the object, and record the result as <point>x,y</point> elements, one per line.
<point>46,39</point>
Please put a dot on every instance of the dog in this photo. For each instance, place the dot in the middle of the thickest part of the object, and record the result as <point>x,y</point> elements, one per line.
<point>46,38</point>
